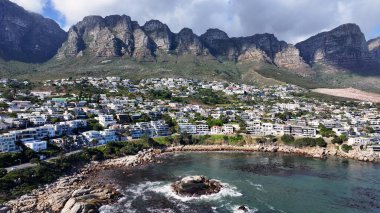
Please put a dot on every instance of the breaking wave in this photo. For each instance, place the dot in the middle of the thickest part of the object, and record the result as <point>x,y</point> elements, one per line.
<point>226,191</point>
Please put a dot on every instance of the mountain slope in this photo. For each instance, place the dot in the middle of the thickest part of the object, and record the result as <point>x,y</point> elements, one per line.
<point>26,36</point>
<point>117,45</point>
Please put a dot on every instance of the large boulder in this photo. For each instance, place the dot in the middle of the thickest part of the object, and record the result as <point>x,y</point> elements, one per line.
<point>196,186</point>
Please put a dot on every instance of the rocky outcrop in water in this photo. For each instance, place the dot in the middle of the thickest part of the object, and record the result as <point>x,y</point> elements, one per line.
<point>195,186</point>
<point>242,209</point>
<point>27,36</point>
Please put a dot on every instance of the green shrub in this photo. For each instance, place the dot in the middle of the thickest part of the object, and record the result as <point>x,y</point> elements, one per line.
<point>321,142</point>
<point>337,140</point>
<point>346,148</point>
<point>311,142</point>
<point>287,139</point>
<point>3,172</point>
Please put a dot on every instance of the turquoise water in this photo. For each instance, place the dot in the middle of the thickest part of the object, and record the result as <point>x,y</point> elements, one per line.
<point>264,182</point>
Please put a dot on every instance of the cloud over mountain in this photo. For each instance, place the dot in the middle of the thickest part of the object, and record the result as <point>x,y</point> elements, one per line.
<point>290,20</point>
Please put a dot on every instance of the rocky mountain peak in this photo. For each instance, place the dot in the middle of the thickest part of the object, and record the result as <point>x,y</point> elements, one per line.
<point>344,47</point>
<point>189,43</point>
<point>373,44</point>
<point>27,36</point>
<point>154,25</point>
<point>214,34</point>
<point>266,42</point>
<point>160,34</point>
<point>374,48</point>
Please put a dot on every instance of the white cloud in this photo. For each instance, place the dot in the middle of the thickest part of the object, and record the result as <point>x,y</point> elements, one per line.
<point>290,20</point>
<point>31,5</point>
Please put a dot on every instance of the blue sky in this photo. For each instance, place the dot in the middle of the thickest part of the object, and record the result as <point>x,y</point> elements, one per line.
<point>289,20</point>
<point>50,12</point>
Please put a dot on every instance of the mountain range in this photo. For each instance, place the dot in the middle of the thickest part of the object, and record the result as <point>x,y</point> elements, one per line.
<point>31,45</point>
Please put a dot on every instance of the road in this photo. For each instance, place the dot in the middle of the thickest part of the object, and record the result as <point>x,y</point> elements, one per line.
<point>28,165</point>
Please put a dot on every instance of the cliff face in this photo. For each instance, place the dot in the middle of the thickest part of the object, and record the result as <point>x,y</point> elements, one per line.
<point>289,58</point>
<point>116,36</point>
<point>26,36</point>
<point>103,37</point>
<point>160,34</point>
<point>343,47</point>
<point>188,43</point>
<point>220,45</point>
<point>374,48</point>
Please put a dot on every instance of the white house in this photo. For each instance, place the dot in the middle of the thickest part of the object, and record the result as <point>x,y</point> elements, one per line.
<point>228,129</point>
<point>309,132</point>
<point>358,141</point>
<point>7,143</point>
<point>267,128</point>
<point>35,145</point>
<point>106,120</point>
<point>187,128</point>
<point>37,120</point>
<point>91,136</point>
<point>109,135</point>
<point>216,130</point>
<point>203,129</point>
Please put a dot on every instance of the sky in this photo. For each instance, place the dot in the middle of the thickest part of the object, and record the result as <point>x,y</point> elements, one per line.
<point>289,20</point>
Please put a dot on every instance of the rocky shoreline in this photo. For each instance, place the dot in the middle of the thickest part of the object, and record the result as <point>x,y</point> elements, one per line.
<point>77,193</point>
<point>80,193</point>
<point>315,152</point>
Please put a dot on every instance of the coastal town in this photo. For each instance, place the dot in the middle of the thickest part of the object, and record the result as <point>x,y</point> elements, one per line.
<point>69,114</point>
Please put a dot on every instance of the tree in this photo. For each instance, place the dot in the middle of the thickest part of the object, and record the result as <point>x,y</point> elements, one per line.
<point>287,139</point>
<point>325,132</point>
<point>3,105</point>
<point>343,137</point>
<point>369,130</point>
<point>337,140</point>
<point>321,142</point>
<point>55,120</point>
<point>35,161</point>
<point>214,122</point>
<point>346,148</point>
<point>3,172</point>
<point>225,139</point>
<point>185,139</point>
<point>261,140</point>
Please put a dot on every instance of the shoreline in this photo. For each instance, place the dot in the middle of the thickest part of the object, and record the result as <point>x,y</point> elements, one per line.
<point>80,193</point>
<point>314,152</point>
<point>77,193</point>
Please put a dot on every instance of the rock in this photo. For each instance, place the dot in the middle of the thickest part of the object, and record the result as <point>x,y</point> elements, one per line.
<point>196,186</point>
<point>219,44</point>
<point>242,209</point>
<point>80,192</point>
<point>344,47</point>
<point>187,43</point>
<point>4,209</point>
<point>104,37</point>
<point>374,48</point>
<point>289,58</point>
<point>57,200</point>
<point>160,34</point>
<point>27,36</point>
